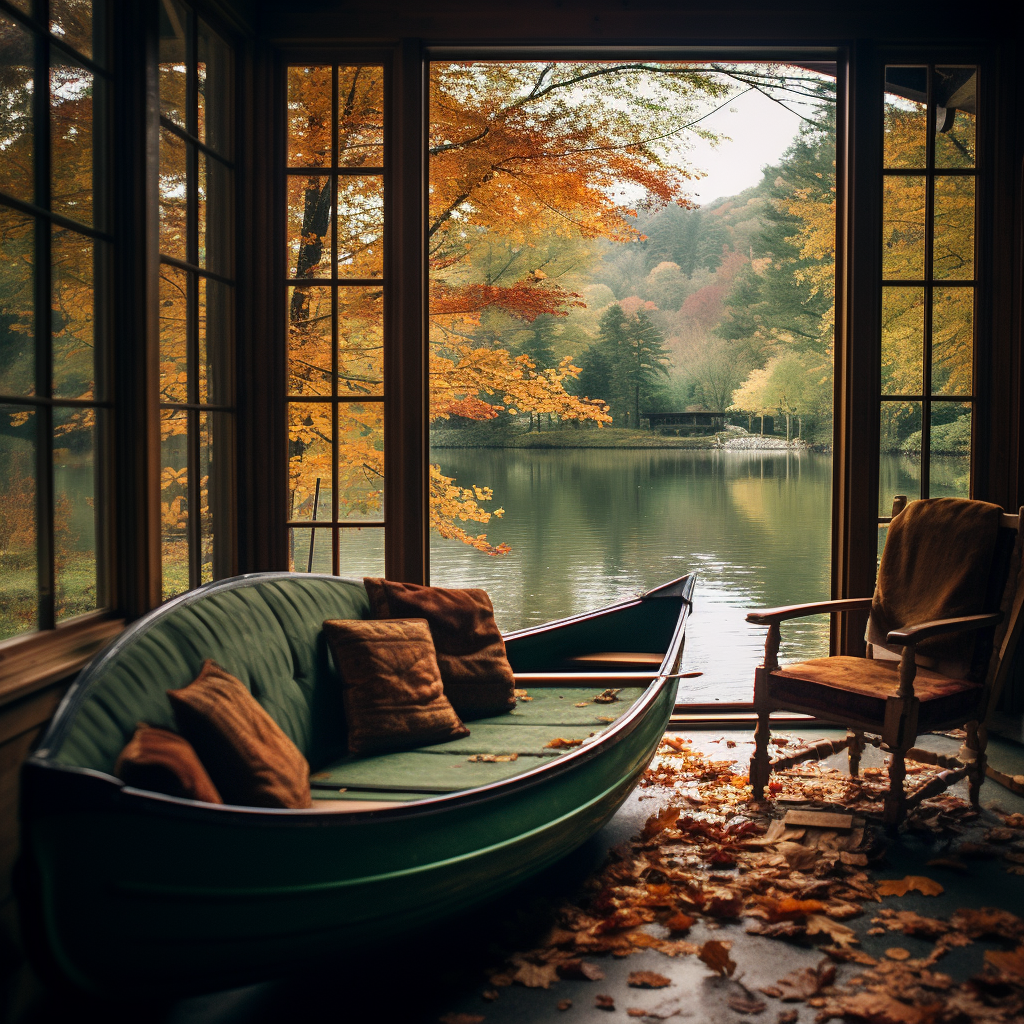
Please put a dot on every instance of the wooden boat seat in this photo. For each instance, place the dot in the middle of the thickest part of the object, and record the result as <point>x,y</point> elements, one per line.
<point>549,714</point>
<point>614,661</point>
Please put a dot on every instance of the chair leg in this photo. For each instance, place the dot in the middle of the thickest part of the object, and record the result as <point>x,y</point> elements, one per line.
<point>856,740</point>
<point>896,799</point>
<point>760,765</point>
<point>976,742</point>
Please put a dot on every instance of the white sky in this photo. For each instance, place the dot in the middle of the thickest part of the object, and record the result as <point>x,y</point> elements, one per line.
<point>759,132</point>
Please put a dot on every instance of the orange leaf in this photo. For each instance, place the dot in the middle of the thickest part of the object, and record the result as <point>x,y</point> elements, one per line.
<point>558,743</point>
<point>1009,962</point>
<point>647,979</point>
<point>679,922</point>
<point>716,955</point>
<point>901,886</point>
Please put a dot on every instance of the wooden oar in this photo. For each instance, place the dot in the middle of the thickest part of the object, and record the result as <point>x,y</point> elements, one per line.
<point>596,676</point>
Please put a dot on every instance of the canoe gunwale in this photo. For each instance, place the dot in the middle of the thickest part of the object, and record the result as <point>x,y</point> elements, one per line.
<point>46,783</point>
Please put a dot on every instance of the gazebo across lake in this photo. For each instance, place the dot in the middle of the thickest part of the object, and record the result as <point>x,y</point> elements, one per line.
<point>687,423</point>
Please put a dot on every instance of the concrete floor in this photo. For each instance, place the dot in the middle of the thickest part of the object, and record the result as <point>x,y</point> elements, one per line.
<point>420,978</point>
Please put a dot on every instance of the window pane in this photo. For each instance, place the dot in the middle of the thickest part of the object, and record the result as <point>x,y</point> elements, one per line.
<point>952,340</point>
<point>174,500</point>
<point>361,117</point>
<point>72,316</point>
<point>74,511</point>
<point>361,227</point>
<point>905,139</point>
<point>309,116</point>
<point>215,74</point>
<point>16,88</point>
<point>900,447</point>
<point>173,54</point>
<point>903,228</point>
<point>71,22</point>
<point>950,462</point>
<point>902,341</point>
<point>216,479</point>
<point>954,228</point>
<point>19,573</point>
<point>360,341</point>
<point>360,472</point>
<point>216,341</point>
<point>173,196</point>
<point>309,227</point>
<point>362,552</point>
<point>956,92</point>
<point>299,559</point>
<point>309,462</point>
<point>17,304</point>
<point>173,334</point>
<point>216,216</point>
<point>71,118</point>
<point>309,340</point>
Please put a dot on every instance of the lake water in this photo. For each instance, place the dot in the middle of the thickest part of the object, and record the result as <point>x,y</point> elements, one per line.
<point>591,526</point>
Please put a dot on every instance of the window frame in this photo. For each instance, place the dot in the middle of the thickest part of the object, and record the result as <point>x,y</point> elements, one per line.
<point>42,403</point>
<point>221,415</point>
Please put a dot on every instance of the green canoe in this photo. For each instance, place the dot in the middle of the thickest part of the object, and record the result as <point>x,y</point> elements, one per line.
<point>135,891</point>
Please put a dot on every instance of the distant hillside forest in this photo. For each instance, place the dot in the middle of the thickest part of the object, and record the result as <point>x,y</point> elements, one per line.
<point>724,308</point>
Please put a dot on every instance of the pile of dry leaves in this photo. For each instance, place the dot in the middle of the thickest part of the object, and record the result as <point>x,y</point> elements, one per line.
<point>710,853</point>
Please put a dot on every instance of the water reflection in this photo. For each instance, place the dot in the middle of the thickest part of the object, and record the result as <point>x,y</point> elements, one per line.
<point>588,527</point>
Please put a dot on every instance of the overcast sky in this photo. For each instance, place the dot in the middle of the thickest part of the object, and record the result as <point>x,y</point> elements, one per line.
<point>759,131</point>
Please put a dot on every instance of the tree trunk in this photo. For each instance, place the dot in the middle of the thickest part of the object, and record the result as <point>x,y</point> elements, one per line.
<point>787,428</point>
<point>762,424</point>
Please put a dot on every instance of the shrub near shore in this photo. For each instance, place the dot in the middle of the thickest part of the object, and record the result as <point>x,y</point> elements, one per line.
<point>485,436</point>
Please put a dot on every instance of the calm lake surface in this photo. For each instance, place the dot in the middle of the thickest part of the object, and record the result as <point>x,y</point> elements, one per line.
<point>588,527</point>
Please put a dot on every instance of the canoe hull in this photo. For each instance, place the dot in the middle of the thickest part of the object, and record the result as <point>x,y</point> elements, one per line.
<point>138,894</point>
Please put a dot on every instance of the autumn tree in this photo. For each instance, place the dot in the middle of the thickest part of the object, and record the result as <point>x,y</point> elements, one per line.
<point>782,303</point>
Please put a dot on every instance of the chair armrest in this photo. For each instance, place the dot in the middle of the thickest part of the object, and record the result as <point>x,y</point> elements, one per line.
<point>910,635</point>
<point>768,616</point>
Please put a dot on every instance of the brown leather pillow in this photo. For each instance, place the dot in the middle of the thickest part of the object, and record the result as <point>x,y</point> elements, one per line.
<point>250,759</point>
<point>391,685</point>
<point>164,762</point>
<point>477,677</point>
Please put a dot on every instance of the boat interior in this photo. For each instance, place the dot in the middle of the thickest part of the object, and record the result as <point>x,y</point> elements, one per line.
<point>243,410</point>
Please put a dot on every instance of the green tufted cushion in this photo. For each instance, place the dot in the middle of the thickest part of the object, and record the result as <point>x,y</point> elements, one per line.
<point>267,631</point>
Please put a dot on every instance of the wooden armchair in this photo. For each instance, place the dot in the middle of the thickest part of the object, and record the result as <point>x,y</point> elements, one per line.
<point>918,676</point>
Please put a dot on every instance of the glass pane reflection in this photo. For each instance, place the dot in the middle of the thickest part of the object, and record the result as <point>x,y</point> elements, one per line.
<point>903,228</point>
<point>19,574</point>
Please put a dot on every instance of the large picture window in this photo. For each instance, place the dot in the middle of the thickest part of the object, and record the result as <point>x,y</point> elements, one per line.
<point>55,253</point>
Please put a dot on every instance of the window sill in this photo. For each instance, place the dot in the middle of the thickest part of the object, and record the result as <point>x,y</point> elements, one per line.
<point>36,661</point>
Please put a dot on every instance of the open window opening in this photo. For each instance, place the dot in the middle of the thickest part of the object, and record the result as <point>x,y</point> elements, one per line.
<point>631,341</point>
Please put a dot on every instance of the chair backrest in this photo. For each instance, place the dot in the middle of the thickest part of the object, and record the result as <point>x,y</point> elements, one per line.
<point>993,652</point>
<point>1011,604</point>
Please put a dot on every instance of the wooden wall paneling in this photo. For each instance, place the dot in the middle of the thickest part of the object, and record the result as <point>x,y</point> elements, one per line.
<point>407,550</point>
<point>136,328</point>
<point>260,349</point>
